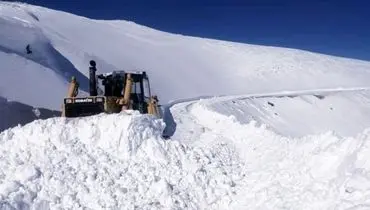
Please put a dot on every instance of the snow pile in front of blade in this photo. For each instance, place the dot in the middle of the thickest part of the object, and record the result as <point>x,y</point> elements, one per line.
<point>323,171</point>
<point>116,161</point>
<point>120,135</point>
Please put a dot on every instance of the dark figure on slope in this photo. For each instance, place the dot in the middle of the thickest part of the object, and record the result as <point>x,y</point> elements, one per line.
<point>28,49</point>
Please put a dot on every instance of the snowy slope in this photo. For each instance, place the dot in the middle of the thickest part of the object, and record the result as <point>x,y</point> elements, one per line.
<point>179,66</point>
<point>13,113</point>
<point>290,132</point>
<point>38,79</point>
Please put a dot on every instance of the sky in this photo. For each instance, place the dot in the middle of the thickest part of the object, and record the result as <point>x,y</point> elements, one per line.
<point>332,27</point>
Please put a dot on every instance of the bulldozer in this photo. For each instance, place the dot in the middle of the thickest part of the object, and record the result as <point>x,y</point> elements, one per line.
<point>122,91</point>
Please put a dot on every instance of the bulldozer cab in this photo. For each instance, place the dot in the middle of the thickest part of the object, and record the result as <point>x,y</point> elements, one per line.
<point>114,86</point>
<point>121,90</point>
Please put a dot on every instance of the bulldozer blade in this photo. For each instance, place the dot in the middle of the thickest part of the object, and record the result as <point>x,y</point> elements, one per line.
<point>82,107</point>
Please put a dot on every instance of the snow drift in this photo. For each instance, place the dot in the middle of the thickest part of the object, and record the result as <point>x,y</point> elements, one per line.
<point>110,161</point>
<point>120,161</point>
<point>296,138</point>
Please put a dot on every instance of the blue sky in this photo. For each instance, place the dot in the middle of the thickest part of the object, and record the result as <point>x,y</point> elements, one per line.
<point>326,26</point>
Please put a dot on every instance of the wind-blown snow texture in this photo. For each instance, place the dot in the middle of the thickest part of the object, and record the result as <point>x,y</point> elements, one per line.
<point>291,132</point>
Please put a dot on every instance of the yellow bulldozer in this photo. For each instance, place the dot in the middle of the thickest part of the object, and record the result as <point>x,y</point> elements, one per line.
<point>122,91</point>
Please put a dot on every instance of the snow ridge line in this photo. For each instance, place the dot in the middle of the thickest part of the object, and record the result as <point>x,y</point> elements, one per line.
<point>220,98</point>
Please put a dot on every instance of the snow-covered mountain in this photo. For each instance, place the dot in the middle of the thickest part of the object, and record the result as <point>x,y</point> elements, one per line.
<point>251,127</point>
<point>178,66</point>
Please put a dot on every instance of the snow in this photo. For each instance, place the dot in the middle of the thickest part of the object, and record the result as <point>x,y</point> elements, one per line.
<point>309,172</point>
<point>179,66</point>
<point>343,111</point>
<point>121,161</point>
<point>109,161</point>
<point>249,127</point>
<point>26,78</point>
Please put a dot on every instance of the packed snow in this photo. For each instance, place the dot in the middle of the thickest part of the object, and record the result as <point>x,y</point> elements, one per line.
<point>111,161</point>
<point>248,127</point>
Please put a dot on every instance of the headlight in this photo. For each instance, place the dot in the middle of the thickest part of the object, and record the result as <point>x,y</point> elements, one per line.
<point>68,100</point>
<point>99,99</point>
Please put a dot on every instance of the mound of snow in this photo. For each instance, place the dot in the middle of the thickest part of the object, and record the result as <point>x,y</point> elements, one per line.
<point>111,161</point>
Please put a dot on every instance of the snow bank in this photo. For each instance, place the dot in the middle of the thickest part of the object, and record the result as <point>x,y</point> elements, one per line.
<point>120,161</point>
<point>323,171</point>
<point>110,161</point>
<point>297,114</point>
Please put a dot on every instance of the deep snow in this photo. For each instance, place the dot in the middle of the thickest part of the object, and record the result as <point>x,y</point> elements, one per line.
<point>120,161</point>
<point>322,171</point>
<point>291,130</point>
<point>117,162</point>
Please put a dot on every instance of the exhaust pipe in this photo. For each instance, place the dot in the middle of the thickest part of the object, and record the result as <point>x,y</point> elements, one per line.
<point>92,70</point>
